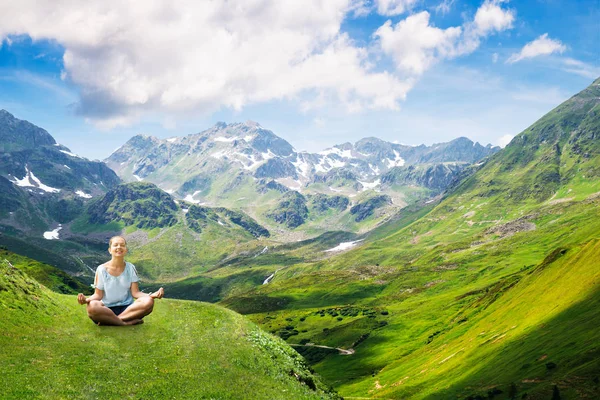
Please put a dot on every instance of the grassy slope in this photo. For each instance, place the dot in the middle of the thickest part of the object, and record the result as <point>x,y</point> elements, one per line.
<point>51,350</point>
<point>51,277</point>
<point>437,277</point>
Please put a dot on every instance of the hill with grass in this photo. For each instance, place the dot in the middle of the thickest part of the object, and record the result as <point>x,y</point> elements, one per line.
<point>50,349</point>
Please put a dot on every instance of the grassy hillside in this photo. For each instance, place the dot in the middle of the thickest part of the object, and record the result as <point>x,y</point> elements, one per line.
<point>53,278</point>
<point>50,349</point>
<point>495,289</point>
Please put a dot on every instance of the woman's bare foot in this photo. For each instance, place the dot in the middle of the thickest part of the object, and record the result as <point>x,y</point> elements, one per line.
<point>134,322</point>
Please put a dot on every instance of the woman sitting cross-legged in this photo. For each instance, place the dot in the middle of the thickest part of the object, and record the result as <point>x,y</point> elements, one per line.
<point>116,286</point>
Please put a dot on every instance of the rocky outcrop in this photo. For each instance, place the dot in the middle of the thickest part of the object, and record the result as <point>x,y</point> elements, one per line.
<point>291,210</point>
<point>365,209</point>
<point>436,177</point>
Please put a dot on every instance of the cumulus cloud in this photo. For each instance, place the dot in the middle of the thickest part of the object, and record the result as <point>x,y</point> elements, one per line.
<point>394,7</point>
<point>129,59</point>
<point>543,45</point>
<point>415,44</point>
<point>490,17</point>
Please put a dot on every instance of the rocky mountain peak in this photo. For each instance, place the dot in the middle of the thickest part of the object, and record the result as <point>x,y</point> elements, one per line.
<point>18,134</point>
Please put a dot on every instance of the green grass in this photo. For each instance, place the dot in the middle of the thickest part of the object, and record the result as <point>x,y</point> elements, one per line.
<point>53,278</point>
<point>50,350</point>
<point>83,226</point>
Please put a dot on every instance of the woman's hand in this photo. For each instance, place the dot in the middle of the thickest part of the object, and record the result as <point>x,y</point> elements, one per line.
<point>158,294</point>
<point>81,299</point>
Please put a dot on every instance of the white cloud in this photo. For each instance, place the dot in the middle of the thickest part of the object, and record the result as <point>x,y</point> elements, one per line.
<point>495,58</point>
<point>394,7</point>
<point>504,140</point>
<point>128,60</point>
<point>415,45</point>
<point>490,17</point>
<point>360,8</point>
<point>444,7</point>
<point>580,68</point>
<point>543,45</point>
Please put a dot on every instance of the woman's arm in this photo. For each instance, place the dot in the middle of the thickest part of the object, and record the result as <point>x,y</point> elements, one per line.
<point>98,295</point>
<point>137,293</point>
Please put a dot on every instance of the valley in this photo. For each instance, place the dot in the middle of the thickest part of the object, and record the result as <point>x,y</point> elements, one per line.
<point>450,271</point>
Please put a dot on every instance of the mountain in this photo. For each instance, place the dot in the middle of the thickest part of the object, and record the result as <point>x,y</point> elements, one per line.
<point>50,349</point>
<point>43,183</point>
<point>245,166</point>
<point>187,165</point>
<point>491,291</point>
<point>44,187</point>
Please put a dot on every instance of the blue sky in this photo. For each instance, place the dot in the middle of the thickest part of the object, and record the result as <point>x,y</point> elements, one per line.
<point>317,73</point>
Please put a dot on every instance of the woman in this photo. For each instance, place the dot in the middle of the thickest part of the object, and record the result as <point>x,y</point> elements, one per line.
<point>116,286</point>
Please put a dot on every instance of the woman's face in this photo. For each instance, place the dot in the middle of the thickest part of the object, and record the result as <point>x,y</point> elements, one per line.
<point>118,247</point>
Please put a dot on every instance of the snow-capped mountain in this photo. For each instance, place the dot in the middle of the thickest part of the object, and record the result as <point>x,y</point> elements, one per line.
<point>190,165</point>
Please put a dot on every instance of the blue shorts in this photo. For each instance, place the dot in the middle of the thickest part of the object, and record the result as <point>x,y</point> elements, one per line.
<point>119,309</point>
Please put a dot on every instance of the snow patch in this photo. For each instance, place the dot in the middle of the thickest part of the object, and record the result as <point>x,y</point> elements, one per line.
<point>70,154</point>
<point>268,155</point>
<point>335,150</point>
<point>190,198</point>
<point>52,235</point>
<point>248,138</point>
<point>397,161</point>
<point>30,180</point>
<point>335,163</point>
<point>226,139</point>
<point>66,166</point>
<point>302,167</point>
<point>218,154</point>
<point>138,178</point>
<point>345,246</point>
<point>375,169</point>
<point>80,193</point>
<point>220,223</point>
<point>253,162</point>
<point>171,140</point>
<point>370,185</point>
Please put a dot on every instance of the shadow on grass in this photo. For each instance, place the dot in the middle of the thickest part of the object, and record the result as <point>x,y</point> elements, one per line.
<point>210,289</point>
<point>564,352</point>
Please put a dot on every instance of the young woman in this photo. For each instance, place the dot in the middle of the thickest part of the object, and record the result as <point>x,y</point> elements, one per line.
<point>116,286</point>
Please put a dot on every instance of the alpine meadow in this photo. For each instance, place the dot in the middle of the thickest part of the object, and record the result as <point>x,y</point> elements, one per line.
<point>337,199</point>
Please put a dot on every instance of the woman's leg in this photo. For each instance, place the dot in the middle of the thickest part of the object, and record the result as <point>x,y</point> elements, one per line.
<point>103,315</point>
<point>139,309</point>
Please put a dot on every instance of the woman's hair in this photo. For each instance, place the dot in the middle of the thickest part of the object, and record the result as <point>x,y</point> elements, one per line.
<point>114,237</point>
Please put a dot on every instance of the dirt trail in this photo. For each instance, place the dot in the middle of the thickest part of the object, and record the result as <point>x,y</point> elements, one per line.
<point>343,352</point>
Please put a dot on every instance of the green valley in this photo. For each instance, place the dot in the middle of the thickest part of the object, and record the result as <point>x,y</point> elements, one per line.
<point>487,290</point>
